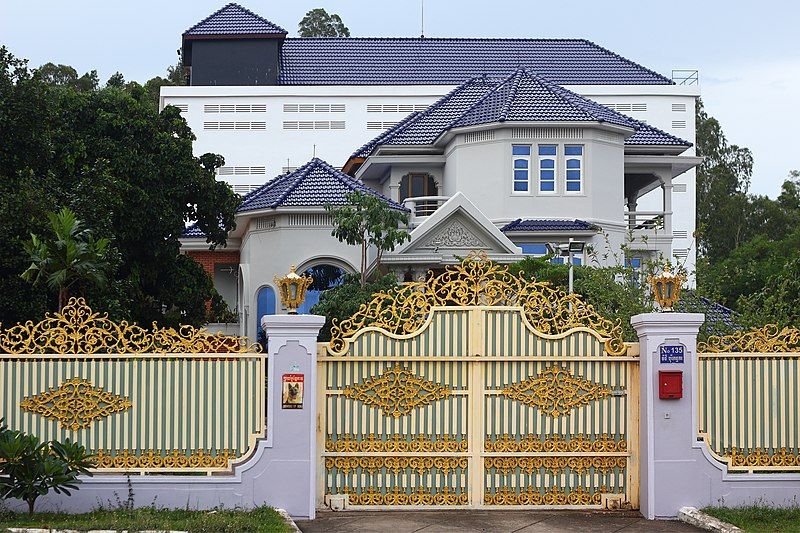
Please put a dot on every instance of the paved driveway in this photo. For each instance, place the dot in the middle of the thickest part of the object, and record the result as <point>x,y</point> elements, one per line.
<point>467,521</point>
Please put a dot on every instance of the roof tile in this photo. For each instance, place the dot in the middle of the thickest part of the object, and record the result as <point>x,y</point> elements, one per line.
<point>234,19</point>
<point>547,225</point>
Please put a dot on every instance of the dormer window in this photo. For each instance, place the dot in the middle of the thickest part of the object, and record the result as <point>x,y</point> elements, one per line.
<point>573,157</point>
<point>521,155</point>
<point>547,168</point>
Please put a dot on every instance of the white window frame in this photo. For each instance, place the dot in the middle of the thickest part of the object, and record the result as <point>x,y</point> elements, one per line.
<point>539,170</point>
<point>514,180</point>
<point>581,183</point>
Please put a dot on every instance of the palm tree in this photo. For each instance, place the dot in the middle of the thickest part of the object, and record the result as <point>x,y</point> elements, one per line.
<point>72,256</point>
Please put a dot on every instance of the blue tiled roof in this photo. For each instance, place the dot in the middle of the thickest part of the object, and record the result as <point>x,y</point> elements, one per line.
<point>314,184</point>
<point>548,225</point>
<point>435,61</point>
<point>234,19</point>
<point>522,96</point>
<point>193,232</point>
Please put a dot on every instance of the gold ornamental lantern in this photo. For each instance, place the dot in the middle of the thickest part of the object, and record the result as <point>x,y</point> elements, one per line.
<point>666,288</point>
<point>292,289</point>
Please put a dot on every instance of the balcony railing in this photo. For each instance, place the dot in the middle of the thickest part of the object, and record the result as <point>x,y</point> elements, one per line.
<point>686,77</point>
<point>645,220</point>
<point>423,206</point>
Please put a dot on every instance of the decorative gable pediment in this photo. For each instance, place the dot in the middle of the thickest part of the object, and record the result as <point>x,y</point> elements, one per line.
<point>454,230</point>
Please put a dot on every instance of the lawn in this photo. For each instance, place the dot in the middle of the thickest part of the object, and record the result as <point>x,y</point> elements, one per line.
<point>759,518</point>
<point>262,519</point>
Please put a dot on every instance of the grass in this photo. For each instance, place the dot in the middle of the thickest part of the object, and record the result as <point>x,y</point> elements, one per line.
<point>261,519</point>
<point>759,517</point>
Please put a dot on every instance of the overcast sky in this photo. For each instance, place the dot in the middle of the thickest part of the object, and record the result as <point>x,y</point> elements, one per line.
<point>748,52</point>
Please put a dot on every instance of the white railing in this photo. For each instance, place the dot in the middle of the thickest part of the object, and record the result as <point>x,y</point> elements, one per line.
<point>686,77</point>
<point>424,206</point>
<point>646,220</point>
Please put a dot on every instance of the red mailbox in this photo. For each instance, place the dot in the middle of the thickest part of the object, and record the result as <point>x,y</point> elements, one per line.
<point>670,384</point>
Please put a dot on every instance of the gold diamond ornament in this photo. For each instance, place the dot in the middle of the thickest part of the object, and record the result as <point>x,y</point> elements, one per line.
<point>76,403</point>
<point>397,392</point>
<point>555,391</point>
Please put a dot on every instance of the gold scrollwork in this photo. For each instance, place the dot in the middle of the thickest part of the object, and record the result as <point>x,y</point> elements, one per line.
<point>155,459</point>
<point>529,465</point>
<point>76,329</point>
<point>397,392</point>
<point>478,281</point>
<point>536,496</point>
<point>556,392</point>
<point>759,457</point>
<point>402,496</point>
<point>770,338</point>
<point>555,443</point>
<point>75,404</point>
<point>396,464</point>
<point>396,443</point>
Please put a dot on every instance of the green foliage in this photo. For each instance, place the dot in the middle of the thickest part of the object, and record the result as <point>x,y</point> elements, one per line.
<point>343,301</point>
<point>30,468</point>
<point>70,256</point>
<point>318,23</point>
<point>760,518</point>
<point>776,301</point>
<point>127,172</point>
<point>258,520</point>
<point>66,76</point>
<point>615,292</point>
<point>368,221</point>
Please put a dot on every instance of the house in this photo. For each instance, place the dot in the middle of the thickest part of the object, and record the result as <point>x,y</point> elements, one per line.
<point>500,145</point>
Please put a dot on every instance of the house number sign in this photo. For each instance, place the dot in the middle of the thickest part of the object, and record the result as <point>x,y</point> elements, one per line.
<point>672,354</point>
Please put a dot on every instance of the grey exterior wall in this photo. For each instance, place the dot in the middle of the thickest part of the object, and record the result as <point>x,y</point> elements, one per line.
<point>676,469</point>
<point>235,61</point>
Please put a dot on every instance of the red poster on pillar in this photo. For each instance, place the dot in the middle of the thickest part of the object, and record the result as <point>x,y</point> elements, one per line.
<point>293,391</point>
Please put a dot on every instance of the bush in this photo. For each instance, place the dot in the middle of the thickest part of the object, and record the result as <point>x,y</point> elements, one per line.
<point>30,468</point>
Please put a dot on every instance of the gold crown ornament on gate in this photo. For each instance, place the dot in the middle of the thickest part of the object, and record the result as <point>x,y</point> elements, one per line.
<point>292,288</point>
<point>666,288</point>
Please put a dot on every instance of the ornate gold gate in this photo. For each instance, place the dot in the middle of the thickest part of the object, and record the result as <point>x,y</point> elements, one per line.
<point>478,388</point>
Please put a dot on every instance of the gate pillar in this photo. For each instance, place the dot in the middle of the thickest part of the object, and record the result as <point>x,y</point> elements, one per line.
<point>667,424</point>
<point>292,408</point>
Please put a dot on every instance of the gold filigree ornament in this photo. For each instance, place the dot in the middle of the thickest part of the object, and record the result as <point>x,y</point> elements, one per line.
<point>76,404</point>
<point>396,443</point>
<point>79,330</point>
<point>530,443</point>
<point>156,459</point>
<point>577,464</point>
<point>770,338</point>
<point>477,281</point>
<point>403,496</point>
<point>556,392</point>
<point>535,496</point>
<point>397,392</point>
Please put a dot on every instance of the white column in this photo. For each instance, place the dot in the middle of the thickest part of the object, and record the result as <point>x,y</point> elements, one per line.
<point>667,428</point>
<point>292,433</point>
<point>666,188</point>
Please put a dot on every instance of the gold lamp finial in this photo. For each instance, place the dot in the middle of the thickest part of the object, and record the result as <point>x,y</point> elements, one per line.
<point>292,288</point>
<point>666,288</point>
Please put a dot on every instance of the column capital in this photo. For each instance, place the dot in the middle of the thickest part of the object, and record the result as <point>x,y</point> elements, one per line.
<point>292,325</point>
<point>667,323</point>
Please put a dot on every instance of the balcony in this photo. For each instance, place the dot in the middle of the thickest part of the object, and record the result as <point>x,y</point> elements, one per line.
<point>422,207</point>
<point>644,226</point>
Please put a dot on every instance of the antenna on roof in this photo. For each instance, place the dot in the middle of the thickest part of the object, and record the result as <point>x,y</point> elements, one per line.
<point>314,151</point>
<point>422,20</point>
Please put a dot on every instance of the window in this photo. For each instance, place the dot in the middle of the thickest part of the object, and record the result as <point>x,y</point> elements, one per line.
<point>534,248</point>
<point>576,260</point>
<point>416,185</point>
<point>547,168</point>
<point>521,156</point>
<point>573,157</point>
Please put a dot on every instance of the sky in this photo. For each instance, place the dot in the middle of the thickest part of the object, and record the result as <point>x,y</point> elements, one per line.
<point>747,52</point>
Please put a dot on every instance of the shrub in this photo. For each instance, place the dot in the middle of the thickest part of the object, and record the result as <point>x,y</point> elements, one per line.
<point>30,468</point>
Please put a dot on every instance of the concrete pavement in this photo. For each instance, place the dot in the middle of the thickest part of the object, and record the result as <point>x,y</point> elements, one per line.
<point>469,521</point>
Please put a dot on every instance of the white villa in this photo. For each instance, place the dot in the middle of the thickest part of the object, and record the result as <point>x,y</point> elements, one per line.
<point>499,145</point>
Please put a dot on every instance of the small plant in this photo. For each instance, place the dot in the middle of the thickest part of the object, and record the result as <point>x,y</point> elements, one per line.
<point>30,468</point>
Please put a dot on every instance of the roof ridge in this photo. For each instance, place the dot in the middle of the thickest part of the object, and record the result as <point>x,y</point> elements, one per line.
<point>513,95</point>
<point>424,39</point>
<point>230,5</point>
<point>492,90</point>
<point>297,176</point>
<point>623,58</point>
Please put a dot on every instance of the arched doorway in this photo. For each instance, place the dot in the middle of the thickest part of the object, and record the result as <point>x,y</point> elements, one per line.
<point>266,304</point>
<point>326,275</point>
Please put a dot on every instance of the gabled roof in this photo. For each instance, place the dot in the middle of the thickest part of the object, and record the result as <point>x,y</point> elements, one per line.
<point>234,19</point>
<point>435,61</point>
<point>522,97</point>
<point>312,185</point>
<point>545,225</point>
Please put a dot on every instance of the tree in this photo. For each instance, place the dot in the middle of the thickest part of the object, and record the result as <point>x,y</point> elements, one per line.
<point>318,23</point>
<point>131,174</point>
<point>342,301</point>
<point>30,468</point>
<point>71,257</point>
<point>369,221</point>
<point>66,76</point>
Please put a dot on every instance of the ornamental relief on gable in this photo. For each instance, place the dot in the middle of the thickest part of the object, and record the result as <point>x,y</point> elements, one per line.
<point>454,235</point>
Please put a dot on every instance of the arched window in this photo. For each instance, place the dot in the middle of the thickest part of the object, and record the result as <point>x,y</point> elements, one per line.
<point>326,276</point>
<point>415,185</point>
<point>266,305</point>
